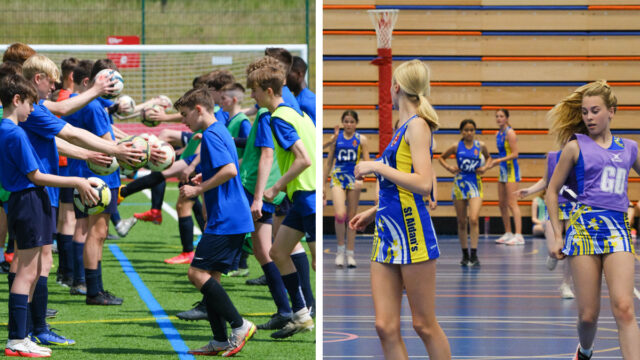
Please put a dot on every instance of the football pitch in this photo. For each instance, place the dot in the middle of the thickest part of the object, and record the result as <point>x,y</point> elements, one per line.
<point>145,326</point>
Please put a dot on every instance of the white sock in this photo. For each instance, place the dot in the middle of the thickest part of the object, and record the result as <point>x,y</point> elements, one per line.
<point>341,249</point>
<point>349,252</point>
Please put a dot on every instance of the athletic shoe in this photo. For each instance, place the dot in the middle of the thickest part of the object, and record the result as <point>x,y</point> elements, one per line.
<point>262,280</point>
<point>103,298</point>
<point>517,239</point>
<point>25,348</point>
<point>5,266</point>
<point>239,337</point>
<point>54,248</point>
<point>351,262</point>
<point>551,263</point>
<point>565,291</point>
<point>581,356</point>
<point>213,348</point>
<point>120,197</point>
<point>473,261</point>
<point>301,321</point>
<point>340,259</point>
<point>50,338</point>
<point>183,258</point>
<point>239,273</point>
<point>65,281</point>
<point>199,312</point>
<point>504,238</point>
<point>312,311</point>
<point>51,313</point>
<point>464,261</point>
<point>152,215</point>
<point>113,297</point>
<point>276,322</point>
<point>80,289</point>
<point>125,225</point>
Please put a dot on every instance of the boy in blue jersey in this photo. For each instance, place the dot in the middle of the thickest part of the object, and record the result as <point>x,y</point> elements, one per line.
<point>295,150</point>
<point>295,81</point>
<point>222,240</point>
<point>30,214</point>
<point>95,119</point>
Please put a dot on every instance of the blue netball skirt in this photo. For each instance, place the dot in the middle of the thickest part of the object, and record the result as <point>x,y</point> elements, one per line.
<point>595,231</point>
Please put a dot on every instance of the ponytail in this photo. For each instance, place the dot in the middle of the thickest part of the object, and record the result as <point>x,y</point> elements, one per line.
<point>413,78</point>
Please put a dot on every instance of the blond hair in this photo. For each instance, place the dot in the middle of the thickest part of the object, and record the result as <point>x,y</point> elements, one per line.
<point>413,77</point>
<point>566,116</point>
<point>267,77</point>
<point>262,62</point>
<point>40,64</point>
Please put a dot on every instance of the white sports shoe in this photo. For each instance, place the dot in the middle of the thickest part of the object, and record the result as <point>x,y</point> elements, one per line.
<point>504,238</point>
<point>517,239</point>
<point>300,322</point>
<point>351,262</point>
<point>125,225</point>
<point>25,348</point>
<point>551,263</point>
<point>565,291</point>
<point>340,259</point>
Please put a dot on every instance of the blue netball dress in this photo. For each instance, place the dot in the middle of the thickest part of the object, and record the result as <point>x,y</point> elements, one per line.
<point>467,183</point>
<point>347,154</point>
<point>509,170</point>
<point>599,223</point>
<point>404,232</point>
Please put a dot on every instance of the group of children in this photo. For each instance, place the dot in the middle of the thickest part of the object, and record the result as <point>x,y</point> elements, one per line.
<point>264,171</point>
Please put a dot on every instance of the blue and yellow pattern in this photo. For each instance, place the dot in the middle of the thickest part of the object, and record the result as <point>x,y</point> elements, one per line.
<point>509,170</point>
<point>595,231</point>
<point>347,154</point>
<point>564,210</point>
<point>467,183</point>
<point>404,232</point>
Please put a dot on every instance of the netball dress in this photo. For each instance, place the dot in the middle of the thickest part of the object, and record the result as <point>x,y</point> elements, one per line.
<point>509,170</point>
<point>347,154</point>
<point>467,183</point>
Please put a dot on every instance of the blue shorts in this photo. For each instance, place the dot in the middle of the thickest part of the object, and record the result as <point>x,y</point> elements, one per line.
<point>595,231</point>
<point>66,195</point>
<point>30,218</point>
<point>185,137</point>
<point>283,208</point>
<point>267,208</point>
<point>302,223</point>
<point>112,208</point>
<point>218,252</point>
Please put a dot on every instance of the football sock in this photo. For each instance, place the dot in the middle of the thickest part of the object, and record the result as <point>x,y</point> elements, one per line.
<point>115,218</point>
<point>39,305</point>
<point>465,253</point>
<point>157,195</point>
<point>18,305</point>
<point>474,253</point>
<point>10,278</point>
<point>217,300</point>
<point>65,254</point>
<point>91,276</point>
<point>100,286</point>
<point>142,183</point>
<point>292,283</point>
<point>276,288</point>
<point>301,262</point>
<point>243,260</point>
<point>185,227</point>
<point>78,263</point>
<point>197,212</point>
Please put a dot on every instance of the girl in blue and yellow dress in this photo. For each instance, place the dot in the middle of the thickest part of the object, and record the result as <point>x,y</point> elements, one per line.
<point>508,180</point>
<point>471,156</point>
<point>405,245</point>
<point>598,238</point>
<point>350,147</point>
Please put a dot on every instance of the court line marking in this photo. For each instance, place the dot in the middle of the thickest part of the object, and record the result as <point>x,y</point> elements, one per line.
<point>171,211</point>
<point>153,305</point>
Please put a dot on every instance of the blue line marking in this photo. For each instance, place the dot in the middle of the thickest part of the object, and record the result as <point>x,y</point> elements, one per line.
<point>152,304</point>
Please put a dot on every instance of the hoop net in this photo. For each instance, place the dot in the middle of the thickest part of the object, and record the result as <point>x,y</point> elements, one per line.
<point>384,21</point>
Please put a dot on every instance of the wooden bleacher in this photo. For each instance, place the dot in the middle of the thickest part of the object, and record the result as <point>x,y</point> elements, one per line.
<point>486,54</point>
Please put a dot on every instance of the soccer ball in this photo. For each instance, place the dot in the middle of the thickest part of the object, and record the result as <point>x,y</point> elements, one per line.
<point>165,102</point>
<point>102,170</point>
<point>149,122</point>
<point>150,138</point>
<point>126,101</point>
<point>129,173</point>
<point>119,84</point>
<point>138,143</point>
<point>171,156</point>
<point>104,193</point>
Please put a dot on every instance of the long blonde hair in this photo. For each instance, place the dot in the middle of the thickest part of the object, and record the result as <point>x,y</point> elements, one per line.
<point>566,116</point>
<point>413,77</point>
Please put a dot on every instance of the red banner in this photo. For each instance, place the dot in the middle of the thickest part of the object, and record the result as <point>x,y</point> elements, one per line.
<point>124,60</point>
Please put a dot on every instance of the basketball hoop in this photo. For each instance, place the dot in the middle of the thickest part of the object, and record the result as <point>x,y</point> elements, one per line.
<point>384,21</point>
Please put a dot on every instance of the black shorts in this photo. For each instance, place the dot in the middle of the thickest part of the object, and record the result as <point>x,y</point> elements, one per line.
<point>305,224</point>
<point>283,208</point>
<point>112,208</point>
<point>30,218</point>
<point>185,137</point>
<point>218,252</point>
<point>66,195</point>
<point>267,208</point>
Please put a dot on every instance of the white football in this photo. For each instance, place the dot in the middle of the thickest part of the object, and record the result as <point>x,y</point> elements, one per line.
<point>114,76</point>
<point>171,156</point>
<point>102,170</point>
<point>164,101</point>
<point>127,105</point>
